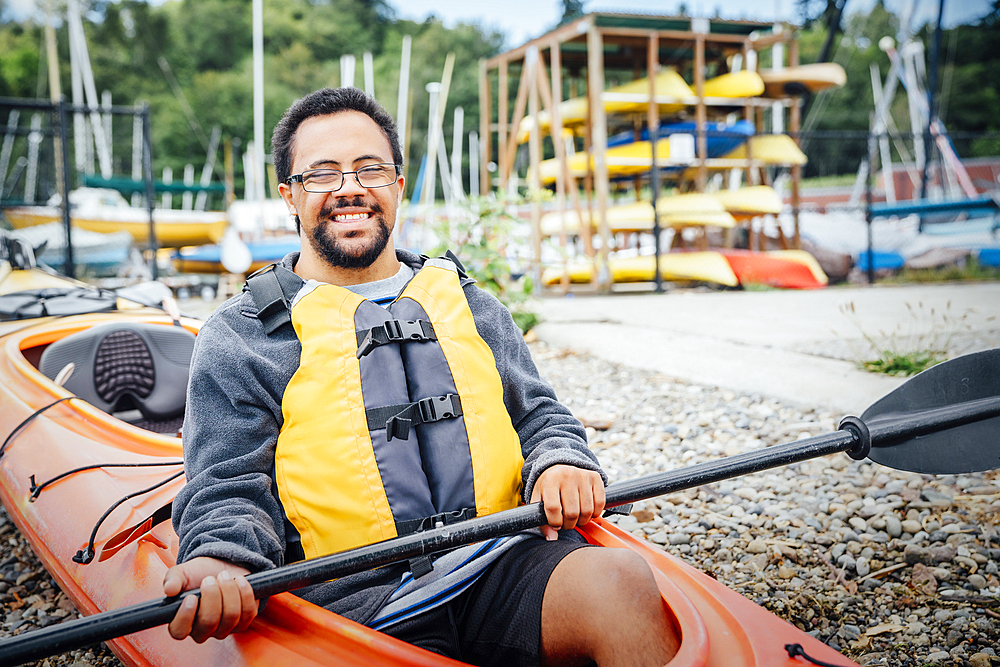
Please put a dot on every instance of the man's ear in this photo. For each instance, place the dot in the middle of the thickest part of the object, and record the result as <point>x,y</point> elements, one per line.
<point>285,190</point>
<point>402,189</point>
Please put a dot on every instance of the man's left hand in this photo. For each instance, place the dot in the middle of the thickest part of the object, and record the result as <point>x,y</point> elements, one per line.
<point>571,496</point>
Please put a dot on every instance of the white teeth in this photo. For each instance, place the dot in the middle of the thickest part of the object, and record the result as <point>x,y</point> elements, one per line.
<point>347,217</point>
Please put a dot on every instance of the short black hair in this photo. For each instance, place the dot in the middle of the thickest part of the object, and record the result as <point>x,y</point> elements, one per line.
<point>324,102</point>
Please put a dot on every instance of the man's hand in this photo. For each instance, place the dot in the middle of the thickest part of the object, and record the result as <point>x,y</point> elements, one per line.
<point>571,496</point>
<point>227,603</point>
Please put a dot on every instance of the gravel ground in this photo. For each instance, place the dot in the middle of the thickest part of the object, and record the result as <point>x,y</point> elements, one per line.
<point>890,568</point>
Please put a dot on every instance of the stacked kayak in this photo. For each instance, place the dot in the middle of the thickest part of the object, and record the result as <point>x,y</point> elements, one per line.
<point>627,157</point>
<point>573,112</point>
<point>800,79</point>
<point>718,627</point>
<point>787,269</point>
<point>677,212</point>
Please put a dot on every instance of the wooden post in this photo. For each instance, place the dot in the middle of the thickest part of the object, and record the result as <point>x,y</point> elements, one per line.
<point>485,135</point>
<point>795,123</point>
<point>563,175</point>
<point>515,121</point>
<point>653,122</point>
<point>599,132</point>
<point>701,113</point>
<point>562,172</point>
<point>531,63</point>
<point>503,97</point>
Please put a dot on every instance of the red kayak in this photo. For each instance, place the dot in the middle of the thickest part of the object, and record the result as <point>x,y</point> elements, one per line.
<point>717,626</point>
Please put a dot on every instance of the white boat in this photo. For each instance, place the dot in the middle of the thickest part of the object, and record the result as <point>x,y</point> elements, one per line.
<point>98,252</point>
<point>103,210</point>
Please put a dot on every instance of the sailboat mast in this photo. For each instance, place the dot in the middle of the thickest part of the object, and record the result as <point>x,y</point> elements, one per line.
<point>258,107</point>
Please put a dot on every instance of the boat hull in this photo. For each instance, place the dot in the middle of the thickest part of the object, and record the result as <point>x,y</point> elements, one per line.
<point>173,228</point>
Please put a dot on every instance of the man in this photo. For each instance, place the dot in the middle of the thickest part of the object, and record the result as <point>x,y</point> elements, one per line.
<point>290,451</point>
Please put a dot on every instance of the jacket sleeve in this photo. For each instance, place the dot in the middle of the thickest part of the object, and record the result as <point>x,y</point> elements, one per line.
<point>227,510</point>
<point>548,431</point>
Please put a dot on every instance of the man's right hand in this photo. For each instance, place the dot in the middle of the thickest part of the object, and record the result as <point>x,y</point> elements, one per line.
<point>227,603</point>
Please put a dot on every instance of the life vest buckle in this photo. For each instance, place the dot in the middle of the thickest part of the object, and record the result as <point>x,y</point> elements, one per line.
<point>397,330</point>
<point>394,331</point>
<point>434,408</point>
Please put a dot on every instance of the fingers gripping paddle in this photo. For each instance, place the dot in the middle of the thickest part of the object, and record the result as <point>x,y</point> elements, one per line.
<point>945,420</point>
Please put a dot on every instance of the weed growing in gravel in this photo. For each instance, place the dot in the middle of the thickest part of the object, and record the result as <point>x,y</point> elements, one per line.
<point>920,341</point>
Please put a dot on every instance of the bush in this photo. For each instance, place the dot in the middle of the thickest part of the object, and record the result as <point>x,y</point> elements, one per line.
<point>479,238</point>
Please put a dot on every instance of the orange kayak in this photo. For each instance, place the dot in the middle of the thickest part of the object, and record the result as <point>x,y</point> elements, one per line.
<point>788,269</point>
<point>718,626</point>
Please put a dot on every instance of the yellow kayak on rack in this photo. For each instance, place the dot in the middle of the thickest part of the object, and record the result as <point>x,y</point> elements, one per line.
<point>625,160</point>
<point>749,202</point>
<point>676,211</point>
<point>813,78</point>
<point>770,149</point>
<point>699,266</point>
<point>735,84</point>
<point>574,112</point>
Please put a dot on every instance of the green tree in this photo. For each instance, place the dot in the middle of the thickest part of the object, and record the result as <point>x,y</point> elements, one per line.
<point>572,10</point>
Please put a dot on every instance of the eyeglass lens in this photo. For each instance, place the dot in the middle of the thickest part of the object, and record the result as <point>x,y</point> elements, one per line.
<point>331,180</point>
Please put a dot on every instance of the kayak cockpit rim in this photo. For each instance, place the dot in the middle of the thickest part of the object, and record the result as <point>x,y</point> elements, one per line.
<point>23,346</point>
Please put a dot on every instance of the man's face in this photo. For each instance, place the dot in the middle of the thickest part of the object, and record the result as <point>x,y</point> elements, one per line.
<point>352,227</point>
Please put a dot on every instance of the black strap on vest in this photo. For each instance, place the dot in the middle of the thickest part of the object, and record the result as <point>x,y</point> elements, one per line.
<point>398,419</point>
<point>394,331</point>
<point>423,565</point>
<point>273,289</point>
<point>404,528</point>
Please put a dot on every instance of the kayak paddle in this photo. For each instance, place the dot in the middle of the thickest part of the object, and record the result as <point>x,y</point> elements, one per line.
<point>945,420</point>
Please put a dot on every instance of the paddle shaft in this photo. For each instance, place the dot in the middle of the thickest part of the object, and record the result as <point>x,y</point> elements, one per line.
<point>887,430</point>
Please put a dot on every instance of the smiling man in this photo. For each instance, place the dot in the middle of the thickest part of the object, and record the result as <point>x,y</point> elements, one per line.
<point>357,392</point>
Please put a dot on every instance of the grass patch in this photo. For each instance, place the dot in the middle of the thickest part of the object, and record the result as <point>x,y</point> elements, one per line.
<point>916,343</point>
<point>905,365</point>
<point>967,271</point>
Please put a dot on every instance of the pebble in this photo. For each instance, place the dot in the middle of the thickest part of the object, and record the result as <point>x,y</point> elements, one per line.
<point>31,599</point>
<point>798,540</point>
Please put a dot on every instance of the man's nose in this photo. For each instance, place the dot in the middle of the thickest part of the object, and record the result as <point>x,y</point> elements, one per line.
<point>352,187</point>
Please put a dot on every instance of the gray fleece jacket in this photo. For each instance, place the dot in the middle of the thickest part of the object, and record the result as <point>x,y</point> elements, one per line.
<point>229,508</point>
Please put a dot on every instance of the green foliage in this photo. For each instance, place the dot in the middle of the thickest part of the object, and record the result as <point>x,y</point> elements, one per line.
<point>904,365</point>
<point>206,46</point>
<point>969,270</point>
<point>917,343</point>
<point>969,76</point>
<point>19,61</point>
<point>479,239</point>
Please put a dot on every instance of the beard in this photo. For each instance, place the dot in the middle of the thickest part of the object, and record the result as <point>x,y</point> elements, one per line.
<point>333,249</point>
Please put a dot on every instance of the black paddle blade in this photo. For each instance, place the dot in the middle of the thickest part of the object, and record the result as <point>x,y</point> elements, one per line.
<point>945,420</point>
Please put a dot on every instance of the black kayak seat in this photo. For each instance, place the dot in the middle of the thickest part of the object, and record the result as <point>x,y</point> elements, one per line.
<point>124,366</point>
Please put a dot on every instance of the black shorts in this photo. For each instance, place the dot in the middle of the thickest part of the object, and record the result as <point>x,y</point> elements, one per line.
<point>498,620</point>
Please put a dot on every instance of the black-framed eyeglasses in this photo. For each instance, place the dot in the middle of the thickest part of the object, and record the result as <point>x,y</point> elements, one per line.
<point>330,180</point>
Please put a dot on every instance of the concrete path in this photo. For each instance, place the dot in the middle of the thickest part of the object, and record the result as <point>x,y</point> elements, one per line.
<point>798,346</point>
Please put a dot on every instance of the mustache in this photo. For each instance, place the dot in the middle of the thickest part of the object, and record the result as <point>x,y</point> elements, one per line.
<point>357,202</point>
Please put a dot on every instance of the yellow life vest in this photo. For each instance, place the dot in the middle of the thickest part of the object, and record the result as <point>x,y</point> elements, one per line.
<point>394,418</point>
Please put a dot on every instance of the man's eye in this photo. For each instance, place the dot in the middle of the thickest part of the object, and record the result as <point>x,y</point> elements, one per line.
<point>323,176</point>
